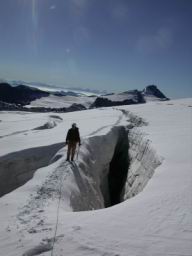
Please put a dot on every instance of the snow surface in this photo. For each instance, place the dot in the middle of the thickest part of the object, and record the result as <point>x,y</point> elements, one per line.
<point>18,129</point>
<point>156,222</point>
<point>121,96</point>
<point>149,98</point>
<point>53,101</point>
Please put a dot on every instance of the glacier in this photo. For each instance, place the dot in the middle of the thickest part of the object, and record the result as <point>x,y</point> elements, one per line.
<point>153,215</point>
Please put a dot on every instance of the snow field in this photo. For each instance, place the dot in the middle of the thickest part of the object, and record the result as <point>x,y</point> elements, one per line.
<point>155,222</point>
<point>23,134</point>
<point>62,101</point>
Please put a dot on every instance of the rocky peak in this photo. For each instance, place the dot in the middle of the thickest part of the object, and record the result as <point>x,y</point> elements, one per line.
<point>152,90</point>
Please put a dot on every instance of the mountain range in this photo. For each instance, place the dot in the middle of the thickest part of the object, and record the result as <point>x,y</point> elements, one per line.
<point>31,98</point>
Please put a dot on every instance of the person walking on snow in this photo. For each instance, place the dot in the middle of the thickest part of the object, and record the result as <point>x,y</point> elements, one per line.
<point>72,139</point>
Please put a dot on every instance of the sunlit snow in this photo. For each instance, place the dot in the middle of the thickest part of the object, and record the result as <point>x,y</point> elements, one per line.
<point>155,222</point>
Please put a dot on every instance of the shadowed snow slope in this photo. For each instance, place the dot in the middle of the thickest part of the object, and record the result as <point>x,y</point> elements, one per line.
<point>17,168</point>
<point>156,222</point>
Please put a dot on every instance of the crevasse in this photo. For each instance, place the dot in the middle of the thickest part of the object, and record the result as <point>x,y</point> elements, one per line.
<point>111,168</point>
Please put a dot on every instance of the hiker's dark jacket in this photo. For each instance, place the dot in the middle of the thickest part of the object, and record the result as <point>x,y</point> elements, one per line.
<point>73,135</point>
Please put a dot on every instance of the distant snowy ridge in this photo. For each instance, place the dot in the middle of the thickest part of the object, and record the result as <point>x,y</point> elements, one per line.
<point>53,88</point>
<point>150,93</point>
<point>20,94</point>
<point>65,100</point>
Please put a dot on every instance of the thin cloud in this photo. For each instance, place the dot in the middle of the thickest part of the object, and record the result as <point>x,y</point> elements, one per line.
<point>81,35</point>
<point>161,40</point>
<point>52,7</point>
<point>119,11</point>
<point>80,3</point>
<point>164,38</point>
<point>79,7</point>
<point>68,50</point>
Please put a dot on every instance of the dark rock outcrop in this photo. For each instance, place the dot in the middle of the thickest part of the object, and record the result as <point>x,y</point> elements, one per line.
<point>8,106</point>
<point>20,94</point>
<point>152,90</point>
<point>62,93</point>
<point>104,102</point>
<point>75,107</point>
<point>135,95</point>
<point>14,107</point>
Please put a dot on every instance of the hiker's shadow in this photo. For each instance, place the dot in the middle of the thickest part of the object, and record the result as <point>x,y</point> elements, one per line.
<point>79,180</point>
<point>89,197</point>
<point>81,200</point>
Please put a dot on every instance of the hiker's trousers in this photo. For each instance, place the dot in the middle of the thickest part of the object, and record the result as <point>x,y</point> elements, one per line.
<point>71,150</point>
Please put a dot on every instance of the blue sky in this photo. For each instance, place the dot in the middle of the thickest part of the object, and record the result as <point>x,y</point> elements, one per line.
<point>114,45</point>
